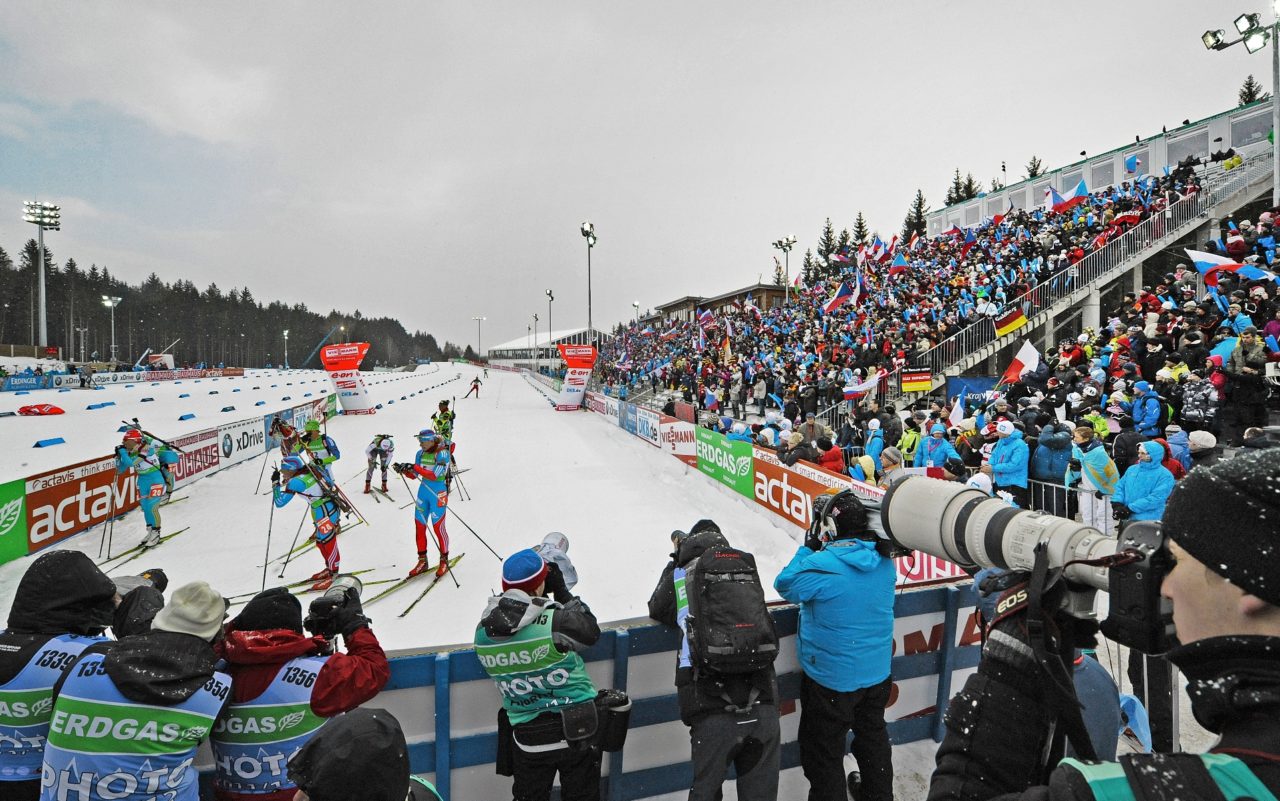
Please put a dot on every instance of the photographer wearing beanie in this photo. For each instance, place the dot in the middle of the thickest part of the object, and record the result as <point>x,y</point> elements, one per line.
<point>128,716</point>
<point>277,670</point>
<point>529,645</point>
<point>732,716</point>
<point>1221,533</point>
<point>842,578</point>
<point>62,606</point>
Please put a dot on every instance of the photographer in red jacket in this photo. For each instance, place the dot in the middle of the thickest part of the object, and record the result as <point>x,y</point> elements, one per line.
<point>285,684</point>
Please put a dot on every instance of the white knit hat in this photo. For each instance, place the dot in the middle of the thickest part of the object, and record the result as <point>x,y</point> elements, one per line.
<point>195,609</point>
<point>1004,427</point>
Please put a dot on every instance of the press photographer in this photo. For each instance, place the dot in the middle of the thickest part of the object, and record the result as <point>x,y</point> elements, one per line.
<point>1216,555</point>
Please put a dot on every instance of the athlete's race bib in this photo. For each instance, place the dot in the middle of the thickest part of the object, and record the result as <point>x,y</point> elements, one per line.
<point>325,526</point>
<point>156,491</point>
<point>442,498</point>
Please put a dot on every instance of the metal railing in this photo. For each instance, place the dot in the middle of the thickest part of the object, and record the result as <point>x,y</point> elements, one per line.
<point>1174,220</point>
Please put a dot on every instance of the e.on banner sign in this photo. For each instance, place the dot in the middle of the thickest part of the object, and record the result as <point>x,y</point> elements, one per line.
<point>64,502</point>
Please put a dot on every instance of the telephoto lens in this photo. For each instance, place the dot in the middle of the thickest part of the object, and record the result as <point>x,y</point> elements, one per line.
<point>341,584</point>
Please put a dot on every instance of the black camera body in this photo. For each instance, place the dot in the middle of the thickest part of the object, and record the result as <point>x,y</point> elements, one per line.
<point>1137,615</point>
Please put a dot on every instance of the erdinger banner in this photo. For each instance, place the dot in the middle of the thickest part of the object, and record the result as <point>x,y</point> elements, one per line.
<point>578,359</point>
<point>342,360</point>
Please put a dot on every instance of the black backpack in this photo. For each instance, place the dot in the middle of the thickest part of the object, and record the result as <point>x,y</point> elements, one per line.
<point>729,627</point>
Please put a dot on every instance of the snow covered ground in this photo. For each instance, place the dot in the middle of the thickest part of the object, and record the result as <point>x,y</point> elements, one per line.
<point>530,471</point>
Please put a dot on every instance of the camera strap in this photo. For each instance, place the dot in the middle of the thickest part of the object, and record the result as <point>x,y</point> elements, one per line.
<point>1061,694</point>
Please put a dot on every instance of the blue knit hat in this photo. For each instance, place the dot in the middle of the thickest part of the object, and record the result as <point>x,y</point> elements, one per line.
<point>1142,386</point>
<point>523,570</point>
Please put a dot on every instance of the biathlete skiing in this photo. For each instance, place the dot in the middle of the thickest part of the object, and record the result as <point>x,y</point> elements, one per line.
<point>431,467</point>
<point>475,387</point>
<point>300,480</point>
<point>150,463</point>
<point>379,453</point>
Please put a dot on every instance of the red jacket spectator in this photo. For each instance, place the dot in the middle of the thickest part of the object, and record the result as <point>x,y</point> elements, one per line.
<point>1169,463</point>
<point>831,459</point>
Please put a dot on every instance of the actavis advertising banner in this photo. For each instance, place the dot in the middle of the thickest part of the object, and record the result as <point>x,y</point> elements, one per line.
<point>342,360</point>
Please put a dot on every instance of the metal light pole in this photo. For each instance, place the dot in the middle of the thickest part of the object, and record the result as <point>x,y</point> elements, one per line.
<point>478,321</point>
<point>550,330</point>
<point>83,332</point>
<point>635,304</point>
<point>785,244</point>
<point>45,216</point>
<point>111,303</point>
<point>589,233</point>
<point>535,342</point>
<point>1255,36</point>
<point>286,349</point>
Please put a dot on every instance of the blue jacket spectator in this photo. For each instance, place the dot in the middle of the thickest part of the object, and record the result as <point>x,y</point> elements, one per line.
<point>874,443</point>
<point>1053,451</point>
<point>1145,487</point>
<point>937,449</point>
<point>1146,410</point>
<point>1179,445</point>
<point>1009,458</point>
<point>845,592</point>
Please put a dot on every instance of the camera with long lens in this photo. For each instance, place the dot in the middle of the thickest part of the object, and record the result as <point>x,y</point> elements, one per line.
<point>322,616</point>
<point>963,525</point>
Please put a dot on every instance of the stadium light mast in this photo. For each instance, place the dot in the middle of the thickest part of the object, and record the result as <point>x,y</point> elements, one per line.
<point>111,303</point>
<point>635,304</point>
<point>286,349</point>
<point>785,244</point>
<point>478,321</point>
<point>589,234</point>
<point>550,336</point>
<point>45,217</point>
<point>535,342</point>
<point>1254,36</point>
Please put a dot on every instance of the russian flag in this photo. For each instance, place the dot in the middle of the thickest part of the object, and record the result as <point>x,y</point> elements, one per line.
<point>843,292</point>
<point>1210,264</point>
<point>706,319</point>
<point>898,266</point>
<point>858,389</point>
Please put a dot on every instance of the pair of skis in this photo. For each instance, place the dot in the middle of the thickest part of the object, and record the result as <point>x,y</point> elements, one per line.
<point>404,582</point>
<point>136,551</point>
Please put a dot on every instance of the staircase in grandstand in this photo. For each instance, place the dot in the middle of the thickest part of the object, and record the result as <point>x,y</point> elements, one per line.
<point>1221,192</point>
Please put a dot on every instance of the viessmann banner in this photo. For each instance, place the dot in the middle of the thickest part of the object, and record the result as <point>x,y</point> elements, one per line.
<point>342,361</point>
<point>578,359</point>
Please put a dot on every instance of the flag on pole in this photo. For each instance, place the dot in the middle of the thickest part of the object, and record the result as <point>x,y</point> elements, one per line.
<point>1010,321</point>
<point>860,388</point>
<point>1026,359</point>
<point>728,351</point>
<point>1210,264</point>
<point>957,412</point>
<point>898,266</point>
<point>1132,163</point>
<point>706,319</point>
<point>917,380</point>
<point>843,292</point>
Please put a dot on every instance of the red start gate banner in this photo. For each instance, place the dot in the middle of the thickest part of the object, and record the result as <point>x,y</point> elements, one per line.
<point>342,360</point>
<point>578,359</point>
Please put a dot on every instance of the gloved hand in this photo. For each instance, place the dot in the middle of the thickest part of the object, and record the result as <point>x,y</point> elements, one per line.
<point>275,475</point>
<point>811,541</point>
<point>555,586</point>
<point>330,616</point>
<point>350,615</point>
<point>1099,494</point>
<point>157,578</point>
<point>1121,512</point>
<point>1008,652</point>
<point>1074,464</point>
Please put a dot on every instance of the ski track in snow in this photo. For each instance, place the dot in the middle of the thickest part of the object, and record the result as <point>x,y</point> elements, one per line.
<point>531,470</point>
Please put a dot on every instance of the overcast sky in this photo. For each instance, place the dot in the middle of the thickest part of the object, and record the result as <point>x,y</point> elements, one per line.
<point>433,161</point>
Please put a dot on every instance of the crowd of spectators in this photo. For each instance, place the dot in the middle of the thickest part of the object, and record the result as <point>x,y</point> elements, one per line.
<point>912,296</point>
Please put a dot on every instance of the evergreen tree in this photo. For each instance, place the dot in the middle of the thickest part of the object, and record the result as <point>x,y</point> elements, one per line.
<point>861,231</point>
<point>810,267</point>
<point>1251,92</point>
<point>955,192</point>
<point>827,241</point>
<point>1034,167</point>
<point>915,222</point>
<point>844,241</point>
<point>971,187</point>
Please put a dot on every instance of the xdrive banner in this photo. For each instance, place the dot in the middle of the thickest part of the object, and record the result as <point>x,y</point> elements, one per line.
<point>342,360</point>
<point>578,359</point>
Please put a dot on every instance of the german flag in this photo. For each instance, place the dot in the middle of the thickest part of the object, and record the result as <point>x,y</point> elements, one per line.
<point>1010,321</point>
<point>917,380</point>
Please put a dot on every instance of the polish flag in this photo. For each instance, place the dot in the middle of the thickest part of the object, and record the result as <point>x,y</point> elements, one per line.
<point>1027,358</point>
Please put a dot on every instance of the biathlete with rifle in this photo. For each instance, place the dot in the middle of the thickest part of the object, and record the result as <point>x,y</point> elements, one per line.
<point>309,483</point>
<point>150,462</point>
<point>287,434</point>
<point>321,447</point>
<point>431,467</point>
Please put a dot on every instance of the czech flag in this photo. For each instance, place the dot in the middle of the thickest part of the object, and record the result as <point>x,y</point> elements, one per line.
<point>898,266</point>
<point>954,230</point>
<point>1026,359</point>
<point>843,293</point>
<point>1060,204</point>
<point>709,401</point>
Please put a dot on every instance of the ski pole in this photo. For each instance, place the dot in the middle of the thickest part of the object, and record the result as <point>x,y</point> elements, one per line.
<point>265,458</point>
<point>111,512</point>
<point>137,425</point>
<point>294,544</point>
<point>266,557</point>
<point>477,536</point>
